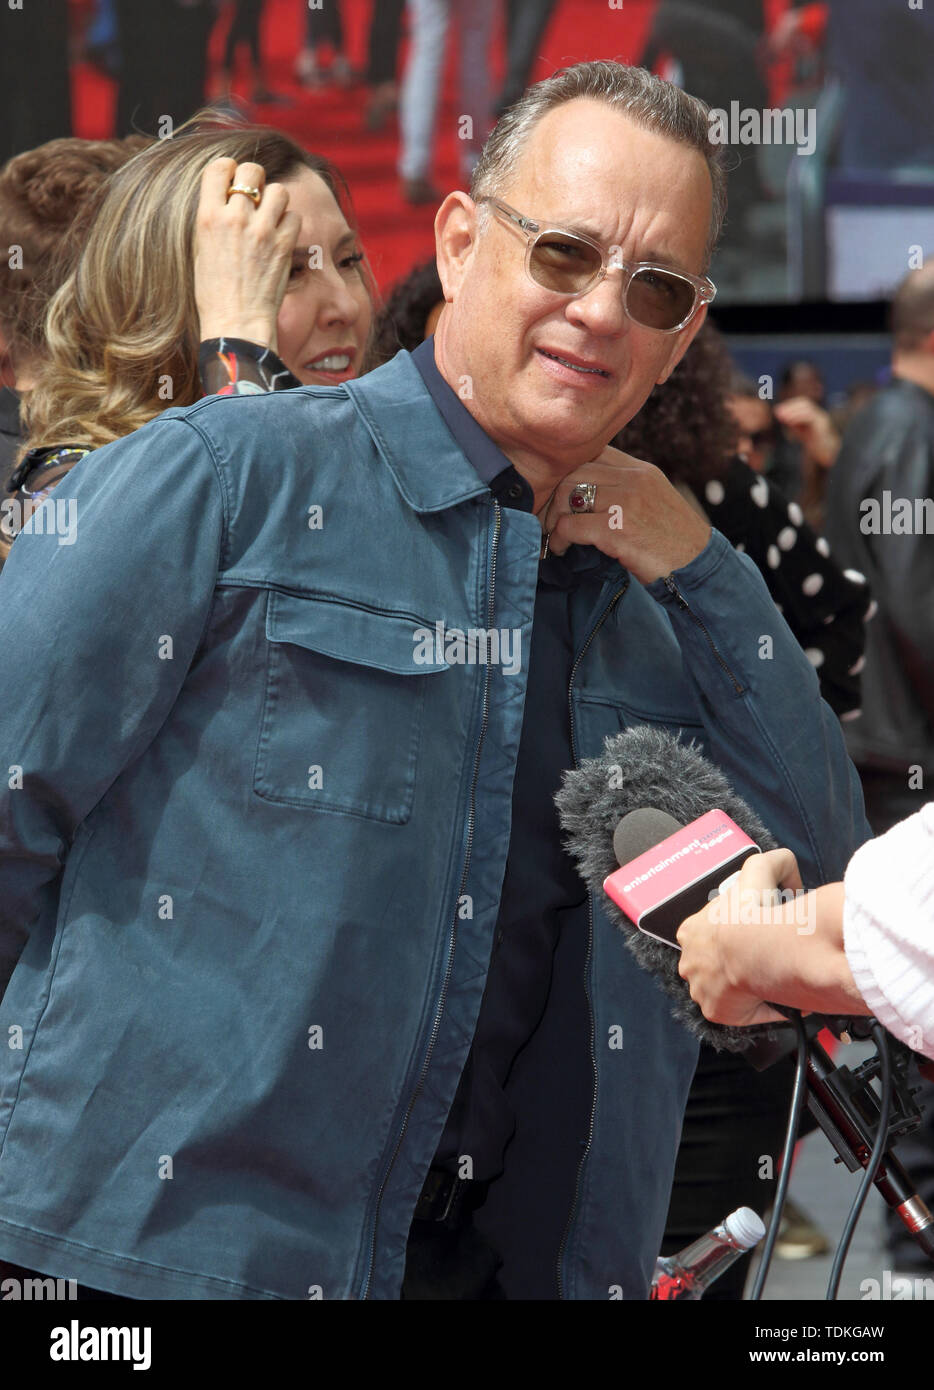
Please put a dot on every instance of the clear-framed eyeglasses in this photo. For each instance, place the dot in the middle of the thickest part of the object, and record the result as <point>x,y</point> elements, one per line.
<point>570,264</point>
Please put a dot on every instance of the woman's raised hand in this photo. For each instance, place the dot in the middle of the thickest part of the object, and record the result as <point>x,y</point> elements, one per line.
<point>244,244</point>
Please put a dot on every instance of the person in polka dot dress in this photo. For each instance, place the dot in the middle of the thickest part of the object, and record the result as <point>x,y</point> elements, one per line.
<point>685,428</point>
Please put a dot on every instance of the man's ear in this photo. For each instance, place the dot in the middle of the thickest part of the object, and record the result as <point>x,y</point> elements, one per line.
<point>682,342</point>
<point>456,233</point>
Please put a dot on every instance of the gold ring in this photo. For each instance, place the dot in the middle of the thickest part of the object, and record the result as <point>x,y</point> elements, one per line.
<point>253,194</point>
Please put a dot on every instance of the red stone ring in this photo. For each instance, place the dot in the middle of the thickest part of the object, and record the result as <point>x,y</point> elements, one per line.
<point>582,497</point>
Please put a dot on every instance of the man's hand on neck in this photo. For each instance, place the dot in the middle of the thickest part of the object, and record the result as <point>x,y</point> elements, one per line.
<point>638,517</point>
<point>542,472</point>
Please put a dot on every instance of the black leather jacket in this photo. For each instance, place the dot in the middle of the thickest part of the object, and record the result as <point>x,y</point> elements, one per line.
<point>887,455</point>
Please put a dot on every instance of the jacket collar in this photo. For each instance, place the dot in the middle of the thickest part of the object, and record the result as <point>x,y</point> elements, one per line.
<point>429,468</point>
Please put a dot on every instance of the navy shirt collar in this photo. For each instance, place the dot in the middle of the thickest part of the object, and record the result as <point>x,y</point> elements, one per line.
<point>493,467</point>
<point>487,459</point>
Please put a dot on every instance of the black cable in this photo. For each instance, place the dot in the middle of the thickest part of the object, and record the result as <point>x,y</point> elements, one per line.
<point>878,1148</point>
<point>791,1138</point>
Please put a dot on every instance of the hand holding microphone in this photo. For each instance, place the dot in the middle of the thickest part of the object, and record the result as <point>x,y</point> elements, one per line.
<point>656,830</point>
<point>669,816</point>
<point>765,938</point>
<point>715,942</point>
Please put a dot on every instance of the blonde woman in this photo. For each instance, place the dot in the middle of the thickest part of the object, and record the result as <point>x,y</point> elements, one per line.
<point>221,261</point>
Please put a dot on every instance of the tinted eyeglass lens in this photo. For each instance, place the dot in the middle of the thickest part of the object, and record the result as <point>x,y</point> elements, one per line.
<point>654,298</point>
<point>659,300</point>
<point>562,263</point>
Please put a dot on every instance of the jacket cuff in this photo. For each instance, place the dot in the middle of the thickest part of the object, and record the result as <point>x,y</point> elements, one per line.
<point>697,571</point>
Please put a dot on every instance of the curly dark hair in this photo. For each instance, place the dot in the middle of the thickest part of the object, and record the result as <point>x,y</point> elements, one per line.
<point>685,427</point>
<point>401,323</point>
<point>48,197</point>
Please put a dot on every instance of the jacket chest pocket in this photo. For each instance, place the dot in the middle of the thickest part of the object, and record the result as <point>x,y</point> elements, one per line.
<point>342,713</point>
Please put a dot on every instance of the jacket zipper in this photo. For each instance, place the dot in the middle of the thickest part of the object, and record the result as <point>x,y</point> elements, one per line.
<point>682,602</point>
<point>453,933</point>
<point>593,1054</point>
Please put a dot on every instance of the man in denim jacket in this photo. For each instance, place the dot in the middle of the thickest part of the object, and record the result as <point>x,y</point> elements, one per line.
<point>277,818</point>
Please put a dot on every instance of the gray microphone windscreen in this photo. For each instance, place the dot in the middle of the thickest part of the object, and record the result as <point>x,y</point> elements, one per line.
<point>646,767</point>
<point>640,831</point>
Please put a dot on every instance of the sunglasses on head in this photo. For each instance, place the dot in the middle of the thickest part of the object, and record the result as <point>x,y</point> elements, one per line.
<point>570,264</point>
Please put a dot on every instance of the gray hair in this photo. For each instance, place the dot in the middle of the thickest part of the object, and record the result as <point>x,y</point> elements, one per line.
<point>647,100</point>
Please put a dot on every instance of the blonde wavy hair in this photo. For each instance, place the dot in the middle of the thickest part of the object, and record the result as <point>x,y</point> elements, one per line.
<point>125,319</point>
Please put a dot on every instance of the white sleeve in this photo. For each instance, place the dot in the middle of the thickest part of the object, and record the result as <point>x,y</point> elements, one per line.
<point>888,928</point>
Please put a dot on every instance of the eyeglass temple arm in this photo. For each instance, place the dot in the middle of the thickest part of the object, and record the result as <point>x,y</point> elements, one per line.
<point>526,223</point>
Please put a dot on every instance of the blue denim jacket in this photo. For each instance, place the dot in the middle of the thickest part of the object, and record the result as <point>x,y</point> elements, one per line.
<point>251,850</point>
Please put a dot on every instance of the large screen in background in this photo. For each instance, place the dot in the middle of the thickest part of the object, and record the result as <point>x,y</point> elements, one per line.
<point>824,113</point>
<point>823,110</point>
<point>872,240</point>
